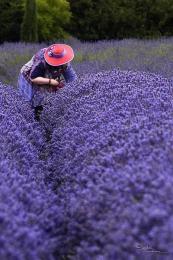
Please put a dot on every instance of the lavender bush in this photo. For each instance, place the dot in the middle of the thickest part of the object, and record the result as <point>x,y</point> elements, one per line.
<point>29,211</point>
<point>110,160</point>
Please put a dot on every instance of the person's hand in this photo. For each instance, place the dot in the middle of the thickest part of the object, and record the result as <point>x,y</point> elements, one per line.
<point>54,88</point>
<point>54,83</point>
<point>61,84</point>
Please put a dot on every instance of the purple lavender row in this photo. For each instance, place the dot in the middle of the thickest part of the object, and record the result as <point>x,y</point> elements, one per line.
<point>29,211</point>
<point>111,162</point>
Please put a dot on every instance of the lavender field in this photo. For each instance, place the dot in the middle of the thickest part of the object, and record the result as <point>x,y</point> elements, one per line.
<point>93,179</point>
<point>154,56</point>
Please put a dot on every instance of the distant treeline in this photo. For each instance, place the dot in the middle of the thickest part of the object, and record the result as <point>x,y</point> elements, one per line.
<point>84,19</point>
<point>34,20</point>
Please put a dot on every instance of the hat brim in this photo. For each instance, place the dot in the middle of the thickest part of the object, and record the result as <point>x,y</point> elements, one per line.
<point>69,55</point>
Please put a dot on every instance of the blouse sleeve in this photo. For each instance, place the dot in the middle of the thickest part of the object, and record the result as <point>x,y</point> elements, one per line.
<point>38,70</point>
<point>69,74</point>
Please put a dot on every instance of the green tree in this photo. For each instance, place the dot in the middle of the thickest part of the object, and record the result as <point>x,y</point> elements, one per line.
<point>53,17</point>
<point>117,19</point>
<point>29,29</point>
<point>82,20</point>
<point>165,11</point>
<point>11,13</point>
<point>94,20</point>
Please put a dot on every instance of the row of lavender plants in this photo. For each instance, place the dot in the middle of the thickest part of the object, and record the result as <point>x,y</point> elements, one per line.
<point>30,214</point>
<point>110,161</point>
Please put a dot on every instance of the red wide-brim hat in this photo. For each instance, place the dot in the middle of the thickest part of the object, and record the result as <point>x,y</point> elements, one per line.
<point>58,54</point>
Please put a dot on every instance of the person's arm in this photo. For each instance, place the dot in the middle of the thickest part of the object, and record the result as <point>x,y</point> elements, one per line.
<point>40,81</point>
<point>45,81</point>
<point>37,75</point>
<point>69,74</point>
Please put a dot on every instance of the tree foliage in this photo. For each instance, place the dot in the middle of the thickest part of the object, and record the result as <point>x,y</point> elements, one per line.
<point>11,13</point>
<point>29,30</point>
<point>88,19</point>
<point>111,19</point>
<point>53,15</point>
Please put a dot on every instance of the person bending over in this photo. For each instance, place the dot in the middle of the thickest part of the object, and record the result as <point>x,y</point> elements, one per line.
<point>47,71</point>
